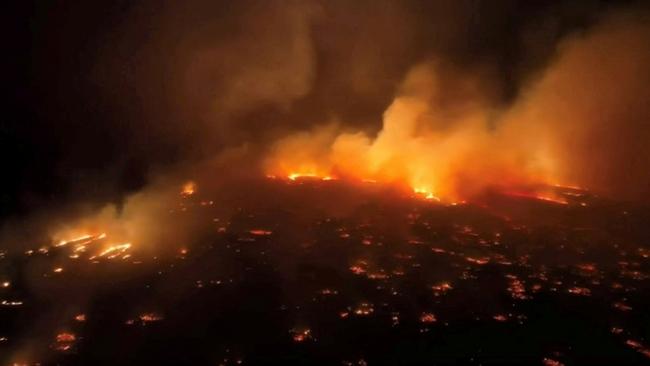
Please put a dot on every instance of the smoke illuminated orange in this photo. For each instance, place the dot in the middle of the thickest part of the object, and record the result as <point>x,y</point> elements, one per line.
<point>436,154</point>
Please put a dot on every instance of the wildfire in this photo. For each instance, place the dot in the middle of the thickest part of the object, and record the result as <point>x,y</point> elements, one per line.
<point>428,184</point>
<point>261,232</point>
<point>449,155</point>
<point>428,193</point>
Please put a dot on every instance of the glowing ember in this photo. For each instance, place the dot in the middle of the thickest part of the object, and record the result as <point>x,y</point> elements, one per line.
<point>260,232</point>
<point>479,261</point>
<point>150,317</point>
<point>364,309</point>
<point>441,288</point>
<point>359,268</point>
<point>328,291</point>
<point>582,291</point>
<point>622,306</point>
<point>638,346</point>
<point>616,330</point>
<point>377,276</point>
<point>427,318</point>
<point>188,189</point>
<point>64,341</point>
<point>65,337</point>
<point>587,267</point>
<point>516,288</point>
<point>301,335</point>
<point>11,303</point>
<point>551,362</point>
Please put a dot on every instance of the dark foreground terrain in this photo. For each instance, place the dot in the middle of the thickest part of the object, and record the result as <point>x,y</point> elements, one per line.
<point>326,274</point>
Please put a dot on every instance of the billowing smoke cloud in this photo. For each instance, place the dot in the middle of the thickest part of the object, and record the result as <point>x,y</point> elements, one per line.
<point>590,111</point>
<point>271,63</point>
<point>583,121</point>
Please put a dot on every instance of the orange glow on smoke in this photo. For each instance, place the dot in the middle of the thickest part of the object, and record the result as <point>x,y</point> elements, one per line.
<point>441,155</point>
<point>455,183</point>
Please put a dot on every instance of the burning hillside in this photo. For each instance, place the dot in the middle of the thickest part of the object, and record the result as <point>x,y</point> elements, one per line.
<point>312,270</point>
<point>326,182</point>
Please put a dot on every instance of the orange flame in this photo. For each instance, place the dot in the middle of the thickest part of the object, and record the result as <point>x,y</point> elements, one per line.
<point>188,189</point>
<point>442,153</point>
